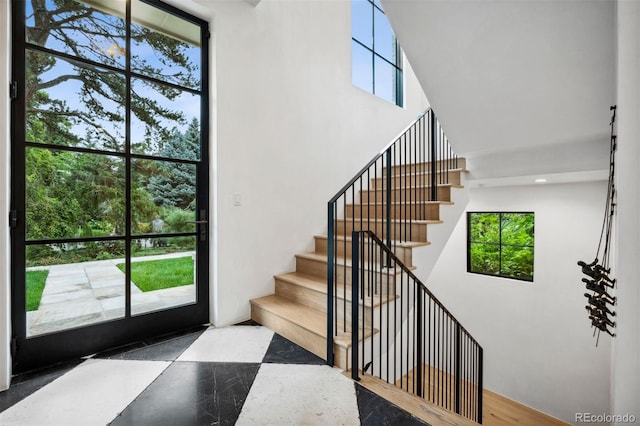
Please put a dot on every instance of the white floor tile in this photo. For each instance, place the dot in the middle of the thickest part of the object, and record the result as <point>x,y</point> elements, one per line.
<point>300,395</point>
<point>93,393</point>
<point>230,344</point>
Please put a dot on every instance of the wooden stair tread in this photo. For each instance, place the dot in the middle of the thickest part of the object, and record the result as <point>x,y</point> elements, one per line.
<point>304,316</point>
<point>340,261</point>
<point>402,203</point>
<point>457,169</point>
<point>424,172</point>
<point>404,188</point>
<point>314,283</point>
<point>400,221</point>
<point>309,318</point>
<point>394,243</point>
<point>462,163</point>
<point>311,282</point>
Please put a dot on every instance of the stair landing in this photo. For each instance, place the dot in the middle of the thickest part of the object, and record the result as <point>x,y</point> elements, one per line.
<point>497,409</point>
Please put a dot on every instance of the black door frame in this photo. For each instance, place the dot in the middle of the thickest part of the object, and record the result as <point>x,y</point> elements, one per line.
<point>37,351</point>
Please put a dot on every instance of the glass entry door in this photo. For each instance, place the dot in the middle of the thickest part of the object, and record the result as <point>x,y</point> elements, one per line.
<point>110,175</point>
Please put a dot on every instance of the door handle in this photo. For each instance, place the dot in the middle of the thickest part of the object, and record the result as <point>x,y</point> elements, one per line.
<point>202,225</point>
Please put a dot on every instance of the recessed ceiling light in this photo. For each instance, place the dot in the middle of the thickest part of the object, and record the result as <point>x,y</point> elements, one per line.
<point>541,180</point>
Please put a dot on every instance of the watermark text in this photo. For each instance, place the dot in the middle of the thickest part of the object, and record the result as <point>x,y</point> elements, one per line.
<point>604,418</point>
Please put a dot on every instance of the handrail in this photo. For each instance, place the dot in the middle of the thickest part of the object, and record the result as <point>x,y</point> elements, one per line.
<point>395,206</point>
<point>428,352</point>
<point>390,254</point>
<point>389,203</point>
<point>374,159</point>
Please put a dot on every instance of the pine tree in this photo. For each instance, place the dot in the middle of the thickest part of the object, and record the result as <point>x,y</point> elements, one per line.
<point>174,184</point>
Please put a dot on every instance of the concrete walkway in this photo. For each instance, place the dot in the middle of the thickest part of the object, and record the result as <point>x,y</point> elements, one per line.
<point>79,294</point>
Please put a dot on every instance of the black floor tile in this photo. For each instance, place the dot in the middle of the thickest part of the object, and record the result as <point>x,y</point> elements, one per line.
<point>165,348</point>
<point>283,351</point>
<point>248,322</point>
<point>25,384</point>
<point>193,393</point>
<point>375,410</point>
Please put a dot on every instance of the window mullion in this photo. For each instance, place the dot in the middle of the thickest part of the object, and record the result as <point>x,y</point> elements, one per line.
<point>373,47</point>
<point>127,150</point>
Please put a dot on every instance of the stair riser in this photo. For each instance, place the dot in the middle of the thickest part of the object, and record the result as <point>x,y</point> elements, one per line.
<point>416,179</point>
<point>303,337</point>
<point>343,274</point>
<point>342,248</point>
<point>307,339</point>
<point>426,167</point>
<point>404,195</point>
<point>399,231</point>
<point>407,210</point>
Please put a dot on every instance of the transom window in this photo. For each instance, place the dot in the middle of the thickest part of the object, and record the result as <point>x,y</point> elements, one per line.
<point>375,54</point>
<point>501,244</point>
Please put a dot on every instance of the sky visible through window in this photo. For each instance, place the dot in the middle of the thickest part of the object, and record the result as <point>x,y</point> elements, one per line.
<point>374,52</point>
<point>106,45</point>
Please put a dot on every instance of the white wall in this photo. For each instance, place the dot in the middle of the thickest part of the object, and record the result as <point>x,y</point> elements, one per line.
<point>538,345</point>
<point>291,131</point>
<point>5,311</point>
<point>626,351</point>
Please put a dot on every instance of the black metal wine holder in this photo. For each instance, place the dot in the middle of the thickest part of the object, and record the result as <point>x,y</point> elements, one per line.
<point>598,281</point>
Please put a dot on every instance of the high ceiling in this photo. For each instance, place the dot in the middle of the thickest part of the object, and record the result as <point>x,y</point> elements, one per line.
<point>514,75</point>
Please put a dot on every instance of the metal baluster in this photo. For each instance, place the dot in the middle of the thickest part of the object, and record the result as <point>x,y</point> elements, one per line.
<point>355,254</point>
<point>388,207</point>
<point>429,352</point>
<point>458,361</point>
<point>420,355</point>
<point>344,264</point>
<point>330,283</point>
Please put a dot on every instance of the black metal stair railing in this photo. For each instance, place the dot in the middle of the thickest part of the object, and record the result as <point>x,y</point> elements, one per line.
<point>413,341</point>
<point>394,197</point>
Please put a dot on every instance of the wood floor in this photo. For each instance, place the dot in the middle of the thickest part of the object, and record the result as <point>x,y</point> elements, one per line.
<point>497,409</point>
<point>501,411</point>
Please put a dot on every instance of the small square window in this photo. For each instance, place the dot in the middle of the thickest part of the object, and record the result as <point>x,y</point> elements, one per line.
<point>501,244</point>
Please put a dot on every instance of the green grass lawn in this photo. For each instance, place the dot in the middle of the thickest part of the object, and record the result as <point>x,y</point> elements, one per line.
<point>35,286</point>
<point>164,273</point>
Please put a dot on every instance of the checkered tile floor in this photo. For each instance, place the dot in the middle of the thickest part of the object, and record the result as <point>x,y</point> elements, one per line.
<point>244,375</point>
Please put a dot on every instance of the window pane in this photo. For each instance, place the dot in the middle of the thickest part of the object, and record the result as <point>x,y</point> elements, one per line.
<point>517,228</point>
<point>517,262</point>
<point>73,284</point>
<point>78,29</point>
<point>485,258</point>
<point>385,41</point>
<point>484,227</point>
<point>385,80</point>
<point>72,104</point>
<point>162,197</point>
<point>362,22</point>
<point>165,121</point>
<point>165,46</point>
<point>362,67</point>
<point>162,273</point>
<point>71,195</point>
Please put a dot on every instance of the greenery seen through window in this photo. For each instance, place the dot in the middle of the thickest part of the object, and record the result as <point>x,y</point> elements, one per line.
<point>501,244</point>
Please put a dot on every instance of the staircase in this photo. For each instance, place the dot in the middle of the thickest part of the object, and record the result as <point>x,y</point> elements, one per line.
<point>396,199</point>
